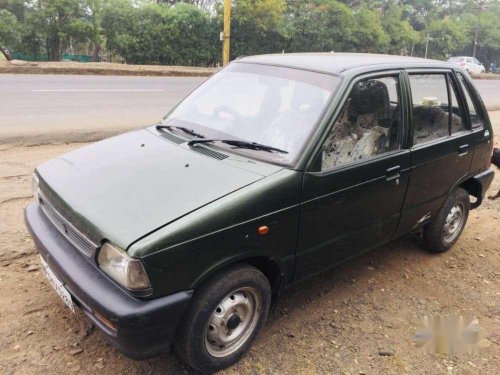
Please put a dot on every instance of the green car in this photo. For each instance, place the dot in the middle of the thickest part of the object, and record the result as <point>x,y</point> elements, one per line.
<point>278,167</point>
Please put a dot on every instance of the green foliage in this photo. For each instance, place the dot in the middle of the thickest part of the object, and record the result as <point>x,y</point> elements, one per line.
<point>9,35</point>
<point>448,37</point>
<point>187,31</point>
<point>158,34</point>
<point>401,34</point>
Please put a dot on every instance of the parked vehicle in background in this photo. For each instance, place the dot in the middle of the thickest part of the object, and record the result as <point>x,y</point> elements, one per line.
<point>471,64</point>
<point>276,168</point>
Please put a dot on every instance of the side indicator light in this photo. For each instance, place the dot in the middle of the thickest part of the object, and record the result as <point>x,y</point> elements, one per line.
<point>263,230</point>
<point>108,323</point>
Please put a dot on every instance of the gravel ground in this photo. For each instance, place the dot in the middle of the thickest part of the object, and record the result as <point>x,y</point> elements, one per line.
<point>339,322</point>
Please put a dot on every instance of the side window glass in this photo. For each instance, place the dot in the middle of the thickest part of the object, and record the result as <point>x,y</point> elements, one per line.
<point>458,123</point>
<point>475,119</point>
<point>431,117</point>
<point>368,125</point>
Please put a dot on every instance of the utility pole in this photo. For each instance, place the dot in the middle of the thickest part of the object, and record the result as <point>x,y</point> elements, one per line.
<point>482,6</point>
<point>226,34</point>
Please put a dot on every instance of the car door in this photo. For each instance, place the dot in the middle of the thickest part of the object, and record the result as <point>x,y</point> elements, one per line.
<point>480,139</point>
<point>353,193</point>
<point>442,142</point>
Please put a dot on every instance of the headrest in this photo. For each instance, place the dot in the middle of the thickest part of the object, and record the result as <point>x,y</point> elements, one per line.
<point>369,97</point>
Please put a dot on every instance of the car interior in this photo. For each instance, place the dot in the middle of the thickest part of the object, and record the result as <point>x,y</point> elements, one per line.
<point>367,126</point>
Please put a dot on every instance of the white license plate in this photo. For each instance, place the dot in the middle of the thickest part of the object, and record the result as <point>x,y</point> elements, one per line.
<point>57,285</point>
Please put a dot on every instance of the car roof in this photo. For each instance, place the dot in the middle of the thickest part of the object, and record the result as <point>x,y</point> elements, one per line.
<point>337,63</point>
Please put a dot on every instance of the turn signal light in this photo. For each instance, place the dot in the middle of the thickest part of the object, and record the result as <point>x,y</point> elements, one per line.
<point>263,230</point>
<point>108,323</point>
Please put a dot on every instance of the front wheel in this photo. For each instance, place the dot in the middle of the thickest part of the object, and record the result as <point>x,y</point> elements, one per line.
<point>443,232</point>
<point>225,316</point>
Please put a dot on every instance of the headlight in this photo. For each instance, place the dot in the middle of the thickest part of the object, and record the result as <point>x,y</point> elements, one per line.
<point>35,186</point>
<point>124,269</point>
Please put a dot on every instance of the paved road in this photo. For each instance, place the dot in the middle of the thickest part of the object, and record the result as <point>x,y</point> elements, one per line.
<point>490,92</point>
<point>30,104</point>
<point>35,102</point>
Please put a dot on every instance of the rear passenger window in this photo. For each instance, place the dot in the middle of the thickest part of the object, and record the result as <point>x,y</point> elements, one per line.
<point>436,112</point>
<point>475,119</point>
<point>457,112</point>
<point>369,124</point>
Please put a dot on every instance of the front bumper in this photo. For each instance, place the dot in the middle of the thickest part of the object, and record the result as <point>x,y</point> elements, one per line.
<point>142,328</point>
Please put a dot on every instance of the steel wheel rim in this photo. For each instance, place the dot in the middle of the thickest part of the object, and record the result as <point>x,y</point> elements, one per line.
<point>232,322</point>
<point>453,223</point>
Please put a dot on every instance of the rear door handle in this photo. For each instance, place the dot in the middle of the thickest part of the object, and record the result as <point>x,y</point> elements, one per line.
<point>463,149</point>
<point>393,173</point>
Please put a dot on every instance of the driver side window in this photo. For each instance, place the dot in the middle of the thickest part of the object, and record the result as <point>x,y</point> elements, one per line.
<point>368,125</point>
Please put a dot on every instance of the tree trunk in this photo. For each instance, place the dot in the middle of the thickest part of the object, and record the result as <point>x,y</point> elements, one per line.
<point>97,50</point>
<point>7,55</point>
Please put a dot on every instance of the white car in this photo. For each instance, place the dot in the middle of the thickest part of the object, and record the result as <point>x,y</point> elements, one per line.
<point>471,64</point>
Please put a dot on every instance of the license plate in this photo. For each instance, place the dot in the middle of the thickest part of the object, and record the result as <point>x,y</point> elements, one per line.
<point>57,285</point>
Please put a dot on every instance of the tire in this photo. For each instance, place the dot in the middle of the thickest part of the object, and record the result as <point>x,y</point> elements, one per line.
<point>443,232</point>
<point>237,300</point>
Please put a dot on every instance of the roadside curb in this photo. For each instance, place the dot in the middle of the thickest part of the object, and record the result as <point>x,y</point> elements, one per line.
<point>104,69</point>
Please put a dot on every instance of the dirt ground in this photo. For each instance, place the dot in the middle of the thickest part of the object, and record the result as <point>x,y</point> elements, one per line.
<point>339,322</point>
<point>72,67</point>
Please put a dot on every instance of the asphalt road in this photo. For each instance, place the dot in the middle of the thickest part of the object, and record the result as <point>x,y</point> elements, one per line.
<point>50,104</point>
<point>33,103</point>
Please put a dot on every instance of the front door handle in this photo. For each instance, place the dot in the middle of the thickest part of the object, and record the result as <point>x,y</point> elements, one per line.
<point>393,173</point>
<point>463,149</point>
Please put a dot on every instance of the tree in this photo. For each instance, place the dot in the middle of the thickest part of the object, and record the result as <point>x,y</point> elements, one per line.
<point>400,31</point>
<point>96,36</point>
<point>256,26</point>
<point>369,35</point>
<point>156,33</point>
<point>52,24</point>
<point>202,4</point>
<point>319,25</point>
<point>447,36</point>
<point>9,32</point>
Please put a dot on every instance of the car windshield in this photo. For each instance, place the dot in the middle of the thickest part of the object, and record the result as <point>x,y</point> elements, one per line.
<point>273,106</point>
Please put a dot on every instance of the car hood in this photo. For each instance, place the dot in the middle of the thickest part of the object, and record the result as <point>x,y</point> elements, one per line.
<point>126,187</point>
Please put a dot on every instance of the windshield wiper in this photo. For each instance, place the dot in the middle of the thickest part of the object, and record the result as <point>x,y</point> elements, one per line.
<point>239,144</point>
<point>182,128</point>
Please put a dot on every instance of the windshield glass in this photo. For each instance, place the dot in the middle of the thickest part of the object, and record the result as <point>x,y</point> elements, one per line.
<point>270,105</point>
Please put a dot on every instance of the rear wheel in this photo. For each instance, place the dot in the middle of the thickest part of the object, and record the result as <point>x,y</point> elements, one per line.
<point>443,232</point>
<point>225,316</point>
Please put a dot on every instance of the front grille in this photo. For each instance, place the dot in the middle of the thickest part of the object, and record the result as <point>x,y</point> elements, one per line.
<point>80,241</point>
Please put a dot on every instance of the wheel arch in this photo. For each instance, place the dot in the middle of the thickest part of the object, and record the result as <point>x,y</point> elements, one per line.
<point>474,188</point>
<point>477,186</point>
<point>270,267</point>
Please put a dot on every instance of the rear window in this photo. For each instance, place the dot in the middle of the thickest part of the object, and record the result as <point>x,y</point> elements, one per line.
<point>456,59</point>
